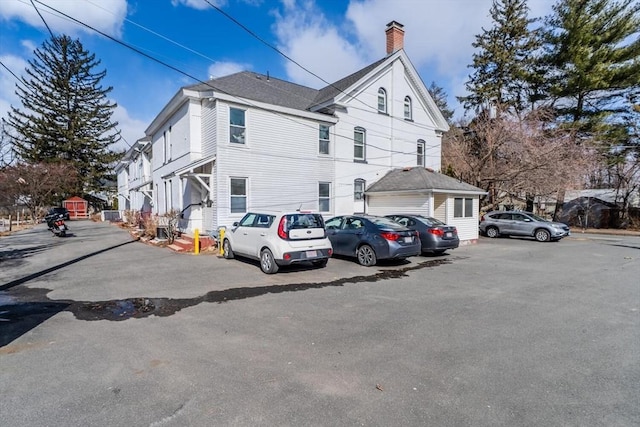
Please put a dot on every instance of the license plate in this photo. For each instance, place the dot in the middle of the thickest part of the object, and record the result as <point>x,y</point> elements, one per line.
<point>408,239</point>
<point>448,234</point>
<point>312,254</point>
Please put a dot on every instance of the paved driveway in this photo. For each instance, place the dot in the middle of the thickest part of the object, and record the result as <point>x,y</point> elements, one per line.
<point>98,330</point>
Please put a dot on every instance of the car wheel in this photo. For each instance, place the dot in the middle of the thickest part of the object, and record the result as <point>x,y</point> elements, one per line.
<point>366,256</point>
<point>267,263</point>
<point>322,263</point>
<point>492,232</point>
<point>226,248</point>
<point>542,235</point>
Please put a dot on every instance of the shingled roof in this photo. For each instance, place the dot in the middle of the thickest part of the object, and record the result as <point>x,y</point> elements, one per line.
<point>331,91</point>
<point>418,178</point>
<point>261,88</point>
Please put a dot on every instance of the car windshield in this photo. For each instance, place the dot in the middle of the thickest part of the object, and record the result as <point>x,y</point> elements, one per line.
<point>537,218</point>
<point>431,222</point>
<point>382,222</point>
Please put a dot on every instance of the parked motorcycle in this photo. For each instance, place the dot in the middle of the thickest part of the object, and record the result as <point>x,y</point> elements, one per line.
<point>56,224</point>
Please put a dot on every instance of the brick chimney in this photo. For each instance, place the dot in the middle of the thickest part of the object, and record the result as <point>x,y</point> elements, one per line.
<point>395,37</point>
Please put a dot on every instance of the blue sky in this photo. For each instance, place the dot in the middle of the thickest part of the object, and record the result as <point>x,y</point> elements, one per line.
<point>331,38</point>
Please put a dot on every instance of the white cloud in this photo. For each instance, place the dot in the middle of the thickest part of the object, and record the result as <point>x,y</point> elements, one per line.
<point>199,4</point>
<point>107,16</point>
<point>220,69</point>
<point>438,37</point>
<point>29,46</point>
<point>309,38</point>
<point>8,82</point>
<point>131,129</point>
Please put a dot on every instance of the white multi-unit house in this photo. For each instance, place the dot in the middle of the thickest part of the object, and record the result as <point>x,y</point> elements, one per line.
<point>135,189</point>
<point>248,141</point>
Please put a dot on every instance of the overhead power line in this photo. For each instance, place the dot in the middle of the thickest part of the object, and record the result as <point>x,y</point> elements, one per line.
<point>207,83</point>
<point>43,20</point>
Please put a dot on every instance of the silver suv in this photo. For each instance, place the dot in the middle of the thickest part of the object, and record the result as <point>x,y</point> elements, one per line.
<point>520,223</point>
<point>279,238</point>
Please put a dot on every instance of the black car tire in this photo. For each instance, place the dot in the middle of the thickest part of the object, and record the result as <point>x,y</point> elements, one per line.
<point>492,232</point>
<point>267,262</point>
<point>226,247</point>
<point>542,235</point>
<point>322,263</point>
<point>366,256</point>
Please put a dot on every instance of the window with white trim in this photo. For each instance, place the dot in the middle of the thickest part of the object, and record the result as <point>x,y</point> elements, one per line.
<point>324,196</point>
<point>359,144</point>
<point>323,138</point>
<point>237,125</point>
<point>238,192</point>
<point>358,189</point>
<point>420,152</point>
<point>462,207</point>
<point>408,110</point>
<point>382,100</point>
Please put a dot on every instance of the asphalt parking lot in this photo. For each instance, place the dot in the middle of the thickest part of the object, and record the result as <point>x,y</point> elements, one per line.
<point>99,330</point>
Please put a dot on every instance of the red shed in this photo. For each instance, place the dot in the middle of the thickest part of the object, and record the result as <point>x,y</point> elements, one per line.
<point>77,207</point>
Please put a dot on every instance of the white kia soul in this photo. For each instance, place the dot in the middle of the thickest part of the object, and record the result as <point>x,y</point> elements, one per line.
<point>277,239</point>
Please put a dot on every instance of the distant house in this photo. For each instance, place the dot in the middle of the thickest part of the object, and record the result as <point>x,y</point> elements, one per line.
<point>249,141</point>
<point>594,208</point>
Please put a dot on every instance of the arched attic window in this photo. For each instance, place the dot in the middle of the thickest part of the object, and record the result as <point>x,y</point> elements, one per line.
<point>408,108</point>
<point>382,100</point>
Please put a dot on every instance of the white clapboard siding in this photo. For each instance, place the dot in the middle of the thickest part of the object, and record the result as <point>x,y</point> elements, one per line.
<point>209,128</point>
<point>467,227</point>
<point>279,159</point>
<point>398,204</point>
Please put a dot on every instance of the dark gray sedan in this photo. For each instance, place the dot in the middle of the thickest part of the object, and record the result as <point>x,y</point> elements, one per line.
<point>369,238</point>
<point>435,235</point>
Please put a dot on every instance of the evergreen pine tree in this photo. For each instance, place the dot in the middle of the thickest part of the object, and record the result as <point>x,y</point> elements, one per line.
<point>440,97</point>
<point>66,116</point>
<point>504,64</point>
<point>594,59</point>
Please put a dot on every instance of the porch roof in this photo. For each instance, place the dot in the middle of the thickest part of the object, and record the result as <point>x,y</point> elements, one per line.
<point>419,179</point>
<point>193,165</point>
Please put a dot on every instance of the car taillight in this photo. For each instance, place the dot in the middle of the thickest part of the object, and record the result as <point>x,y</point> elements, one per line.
<point>390,236</point>
<point>282,233</point>
<point>436,232</point>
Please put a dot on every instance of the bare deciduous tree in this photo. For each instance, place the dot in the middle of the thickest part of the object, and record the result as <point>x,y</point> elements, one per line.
<point>515,158</point>
<point>35,186</point>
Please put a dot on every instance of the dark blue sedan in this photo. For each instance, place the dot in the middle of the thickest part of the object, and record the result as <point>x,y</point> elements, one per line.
<point>369,238</point>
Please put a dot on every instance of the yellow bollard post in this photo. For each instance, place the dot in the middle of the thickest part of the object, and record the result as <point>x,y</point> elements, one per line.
<point>220,241</point>
<point>196,241</point>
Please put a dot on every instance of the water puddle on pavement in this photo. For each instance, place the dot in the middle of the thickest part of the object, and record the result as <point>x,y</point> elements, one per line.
<point>20,302</point>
